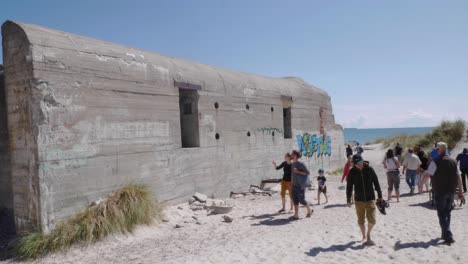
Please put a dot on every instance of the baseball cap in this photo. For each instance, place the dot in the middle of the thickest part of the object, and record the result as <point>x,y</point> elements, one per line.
<point>357,158</point>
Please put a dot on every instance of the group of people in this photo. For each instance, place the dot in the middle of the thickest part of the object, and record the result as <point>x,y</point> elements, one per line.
<point>295,181</point>
<point>446,181</point>
<point>362,183</point>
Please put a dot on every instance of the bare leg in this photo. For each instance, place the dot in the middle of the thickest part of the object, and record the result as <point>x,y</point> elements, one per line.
<point>309,210</point>
<point>369,230</point>
<point>290,196</point>
<point>283,201</point>
<point>318,197</point>
<point>389,195</point>
<point>397,196</point>
<point>326,198</point>
<point>296,211</point>
<point>363,231</point>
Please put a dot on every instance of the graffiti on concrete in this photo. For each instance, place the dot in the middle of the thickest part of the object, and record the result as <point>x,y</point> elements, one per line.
<point>313,145</point>
<point>270,130</point>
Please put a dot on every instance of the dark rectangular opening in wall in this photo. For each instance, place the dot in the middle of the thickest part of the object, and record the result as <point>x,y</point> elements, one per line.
<point>188,104</point>
<point>287,122</point>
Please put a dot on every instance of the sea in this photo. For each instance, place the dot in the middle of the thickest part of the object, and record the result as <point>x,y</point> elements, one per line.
<point>371,134</point>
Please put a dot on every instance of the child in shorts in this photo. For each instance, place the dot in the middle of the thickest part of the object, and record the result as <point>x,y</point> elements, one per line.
<point>322,187</point>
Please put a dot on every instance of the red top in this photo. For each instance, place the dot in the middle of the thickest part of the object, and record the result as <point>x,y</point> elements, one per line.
<point>345,171</point>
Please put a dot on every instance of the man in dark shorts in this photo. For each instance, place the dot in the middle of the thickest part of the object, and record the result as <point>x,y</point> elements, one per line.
<point>362,179</point>
<point>445,180</point>
<point>300,174</point>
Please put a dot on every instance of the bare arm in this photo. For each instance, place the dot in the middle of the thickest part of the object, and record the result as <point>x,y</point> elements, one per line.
<point>384,164</point>
<point>300,172</point>
<point>460,190</point>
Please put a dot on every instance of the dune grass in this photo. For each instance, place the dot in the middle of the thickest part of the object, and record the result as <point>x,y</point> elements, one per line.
<point>448,131</point>
<point>338,172</point>
<point>120,212</point>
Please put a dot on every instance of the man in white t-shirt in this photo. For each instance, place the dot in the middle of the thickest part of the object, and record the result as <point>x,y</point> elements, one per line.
<point>410,167</point>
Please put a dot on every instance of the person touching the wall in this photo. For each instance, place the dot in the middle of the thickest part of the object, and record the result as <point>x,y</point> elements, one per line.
<point>286,181</point>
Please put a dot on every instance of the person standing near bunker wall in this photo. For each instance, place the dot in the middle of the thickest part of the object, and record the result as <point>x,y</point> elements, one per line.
<point>286,181</point>
<point>299,178</point>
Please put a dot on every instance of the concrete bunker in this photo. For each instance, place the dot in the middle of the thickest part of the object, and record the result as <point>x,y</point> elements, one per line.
<point>85,117</point>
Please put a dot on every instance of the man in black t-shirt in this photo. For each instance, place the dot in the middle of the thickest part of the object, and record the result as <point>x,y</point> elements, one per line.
<point>398,151</point>
<point>349,151</point>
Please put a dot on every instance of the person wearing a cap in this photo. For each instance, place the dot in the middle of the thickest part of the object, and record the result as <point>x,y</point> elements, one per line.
<point>462,158</point>
<point>362,179</point>
<point>445,180</point>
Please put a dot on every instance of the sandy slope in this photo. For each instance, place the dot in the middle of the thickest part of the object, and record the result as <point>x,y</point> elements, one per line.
<point>408,234</point>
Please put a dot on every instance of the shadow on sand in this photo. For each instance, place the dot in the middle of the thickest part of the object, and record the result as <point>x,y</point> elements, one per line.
<point>411,195</point>
<point>264,216</point>
<point>426,205</point>
<point>270,220</point>
<point>431,243</point>
<point>328,206</point>
<point>273,222</point>
<point>335,248</point>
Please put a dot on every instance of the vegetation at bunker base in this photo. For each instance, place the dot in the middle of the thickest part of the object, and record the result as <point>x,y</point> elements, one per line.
<point>121,212</point>
<point>338,172</point>
<point>448,131</point>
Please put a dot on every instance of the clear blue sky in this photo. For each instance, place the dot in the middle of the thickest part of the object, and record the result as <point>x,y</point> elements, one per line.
<point>384,63</point>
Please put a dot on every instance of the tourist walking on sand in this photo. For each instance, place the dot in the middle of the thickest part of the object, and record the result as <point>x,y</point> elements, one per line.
<point>286,181</point>
<point>349,151</point>
<point>445,180</point>
<point>410,169</point>
<point>462,158</point>
<point>362,179</point>
<point>299,178</point>
<point>359,150</point>
<point>392,165</point>
<point>398,151</point>
<point>422,168</point>
<point>322,186</point>
<point>348,165</point>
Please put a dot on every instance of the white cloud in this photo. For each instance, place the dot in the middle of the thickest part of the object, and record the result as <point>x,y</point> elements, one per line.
<point>389,114</point>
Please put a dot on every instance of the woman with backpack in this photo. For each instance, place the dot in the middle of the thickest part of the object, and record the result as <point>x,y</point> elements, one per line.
<point>392,165</point>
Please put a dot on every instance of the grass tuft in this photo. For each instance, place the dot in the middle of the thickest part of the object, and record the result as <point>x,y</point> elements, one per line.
<point>120,212</point>
<point>336,172</point>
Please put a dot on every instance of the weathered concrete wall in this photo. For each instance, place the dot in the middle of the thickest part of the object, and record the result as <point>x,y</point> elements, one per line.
<point>22,125</point>
<point>108,115</point>
<point>6,193</point>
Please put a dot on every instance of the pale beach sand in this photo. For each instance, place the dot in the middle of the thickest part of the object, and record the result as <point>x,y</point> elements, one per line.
<point>409,233</point>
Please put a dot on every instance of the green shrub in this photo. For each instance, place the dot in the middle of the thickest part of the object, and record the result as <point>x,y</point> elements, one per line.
<point>119,213</point>
<point>447,131</point>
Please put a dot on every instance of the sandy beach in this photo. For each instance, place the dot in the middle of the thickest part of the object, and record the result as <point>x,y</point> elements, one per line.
<point>409,233</point>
